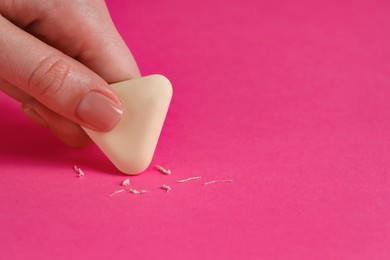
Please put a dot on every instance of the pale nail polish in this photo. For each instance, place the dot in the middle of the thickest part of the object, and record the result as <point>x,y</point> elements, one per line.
<point>99,111</point>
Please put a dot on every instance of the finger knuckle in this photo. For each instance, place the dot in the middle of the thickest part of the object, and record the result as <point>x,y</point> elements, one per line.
<point>49,77</point>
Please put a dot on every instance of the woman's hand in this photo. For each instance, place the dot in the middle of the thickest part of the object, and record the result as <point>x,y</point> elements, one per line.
<point>56,57</point>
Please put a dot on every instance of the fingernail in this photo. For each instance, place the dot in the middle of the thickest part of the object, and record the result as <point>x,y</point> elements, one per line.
<point>34,116</point>
<point>99,111</point>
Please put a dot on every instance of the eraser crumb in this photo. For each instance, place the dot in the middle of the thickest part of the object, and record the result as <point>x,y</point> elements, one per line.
<point>126,182</point>
<point>116,192</point>
<point>133,191</point>
<point>189,179</point>
<point>166,187</point>
<point>163,170</point>
<point>79,171</point>
<point>217,181</point>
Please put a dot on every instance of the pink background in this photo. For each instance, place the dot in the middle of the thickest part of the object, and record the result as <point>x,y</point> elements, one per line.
<point>290,99</point>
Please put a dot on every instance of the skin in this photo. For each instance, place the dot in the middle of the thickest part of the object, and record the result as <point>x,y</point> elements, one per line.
<point>55,51</point>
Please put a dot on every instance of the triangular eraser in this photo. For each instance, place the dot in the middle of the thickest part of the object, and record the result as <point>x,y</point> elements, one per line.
<point>130,145</point>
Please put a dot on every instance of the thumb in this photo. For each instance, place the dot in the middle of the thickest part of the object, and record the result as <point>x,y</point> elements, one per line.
<point>57,81</point>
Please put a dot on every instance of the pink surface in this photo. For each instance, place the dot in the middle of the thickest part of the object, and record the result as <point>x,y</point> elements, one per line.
<point>290,99</point>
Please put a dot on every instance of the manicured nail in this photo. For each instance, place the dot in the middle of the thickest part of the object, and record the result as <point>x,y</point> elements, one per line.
<point>34,116</point>
<point>99,111</point>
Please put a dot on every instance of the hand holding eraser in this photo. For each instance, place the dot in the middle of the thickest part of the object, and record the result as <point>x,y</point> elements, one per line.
<point>130,145</point>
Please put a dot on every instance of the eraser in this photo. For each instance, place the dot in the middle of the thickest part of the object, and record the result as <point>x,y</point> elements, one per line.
<point>130,145</point>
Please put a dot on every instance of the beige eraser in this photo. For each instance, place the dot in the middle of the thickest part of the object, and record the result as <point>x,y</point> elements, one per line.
<point>130,145</point>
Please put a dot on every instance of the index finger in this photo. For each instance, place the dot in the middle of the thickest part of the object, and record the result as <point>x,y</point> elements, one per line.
<point>83,30</point>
